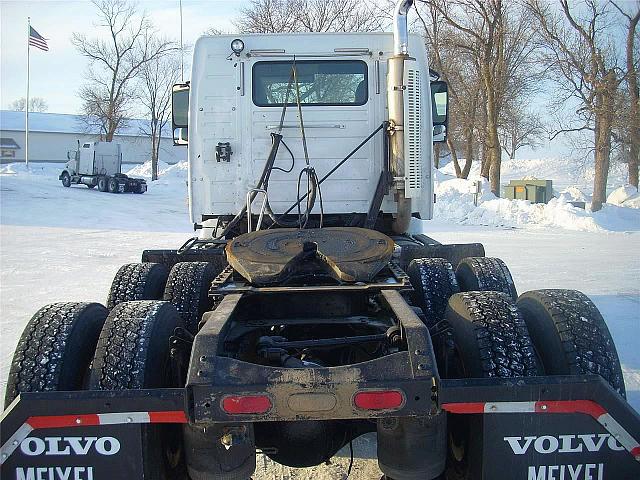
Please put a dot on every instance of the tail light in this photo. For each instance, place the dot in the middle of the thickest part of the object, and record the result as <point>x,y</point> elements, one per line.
<point>378,399</point>
<point>246,404</point>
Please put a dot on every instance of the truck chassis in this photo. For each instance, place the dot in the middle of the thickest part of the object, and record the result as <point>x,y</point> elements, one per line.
<point>238,390</point>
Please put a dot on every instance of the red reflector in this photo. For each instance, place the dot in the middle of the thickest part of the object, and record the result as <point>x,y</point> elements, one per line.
<point>378,400</point>
<point>236,404</point>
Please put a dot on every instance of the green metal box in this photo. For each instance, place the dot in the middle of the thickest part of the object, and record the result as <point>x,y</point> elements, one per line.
<point>536,191</point>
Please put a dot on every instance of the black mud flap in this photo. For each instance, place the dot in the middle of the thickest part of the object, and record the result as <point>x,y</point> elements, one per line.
<point>549,428</point>
<point>86,435</point>
<point>102,452</point>
<point>547,447</point>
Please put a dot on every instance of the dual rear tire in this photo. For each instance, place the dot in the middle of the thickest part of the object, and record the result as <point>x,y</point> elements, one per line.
<point>77,346</point>
<point>491,332</point>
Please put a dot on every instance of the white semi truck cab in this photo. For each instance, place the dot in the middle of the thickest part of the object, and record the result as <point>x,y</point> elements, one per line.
<point>99,164</point>
<point>280,113</point>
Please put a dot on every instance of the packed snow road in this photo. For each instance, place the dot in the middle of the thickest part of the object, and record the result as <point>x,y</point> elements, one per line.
<point>66,244</point>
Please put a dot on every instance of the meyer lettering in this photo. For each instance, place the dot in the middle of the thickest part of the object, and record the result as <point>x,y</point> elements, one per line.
<point>589,471</point>
<point>574,473</point>
<point>54,473</point>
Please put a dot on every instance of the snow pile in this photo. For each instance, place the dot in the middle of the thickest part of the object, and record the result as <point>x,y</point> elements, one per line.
<point>455,204</point>
<point>144,170</point>
<point>625,196</point>
<point>165,171</point>
<point>573,194</point>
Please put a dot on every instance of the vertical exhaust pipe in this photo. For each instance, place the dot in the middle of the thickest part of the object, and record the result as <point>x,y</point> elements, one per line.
<point>395,100</point>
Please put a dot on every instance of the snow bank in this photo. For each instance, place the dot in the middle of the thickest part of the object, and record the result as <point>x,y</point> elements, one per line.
<point>455,203</point>
<point>165,171</point>
<point>625,196</point>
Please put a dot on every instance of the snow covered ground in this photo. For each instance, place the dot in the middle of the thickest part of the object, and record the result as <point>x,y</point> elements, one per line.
<point>60,244</point>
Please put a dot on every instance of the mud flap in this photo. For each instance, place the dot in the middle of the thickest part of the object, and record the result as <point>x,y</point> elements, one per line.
<point>83,435</point>
<point>80,453</point>
<point>553,447</point>
<point>548,428</point>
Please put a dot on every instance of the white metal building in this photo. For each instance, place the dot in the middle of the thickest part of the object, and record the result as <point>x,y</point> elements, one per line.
<point>52,135</point>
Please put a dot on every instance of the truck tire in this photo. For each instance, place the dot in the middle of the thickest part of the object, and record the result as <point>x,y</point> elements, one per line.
<point>137,281</point>
<point>66,179</point>
<point>433,281</point>
<point>187,289</point>
<point>571,336</point>
<point>484,274</point>
<point>133,352</point>
<point>138,188</point>
<point>112,186</point>
<point>102,183</point>
<point>491,336</point>
<point>491,340</point>
<point>55,349</point>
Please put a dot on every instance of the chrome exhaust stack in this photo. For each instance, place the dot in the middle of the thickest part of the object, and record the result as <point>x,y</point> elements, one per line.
<point>395,99</point>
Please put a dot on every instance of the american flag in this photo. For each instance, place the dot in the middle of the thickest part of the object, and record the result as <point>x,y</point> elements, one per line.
<point>37,40</point>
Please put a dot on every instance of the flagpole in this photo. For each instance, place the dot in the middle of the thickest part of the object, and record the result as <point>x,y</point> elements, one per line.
<point>26,105</point>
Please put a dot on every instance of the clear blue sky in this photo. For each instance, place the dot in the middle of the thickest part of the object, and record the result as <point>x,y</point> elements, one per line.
<point>57,75</point>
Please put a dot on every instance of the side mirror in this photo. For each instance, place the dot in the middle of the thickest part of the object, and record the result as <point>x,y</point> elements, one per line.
<point>439,102</point>
<point>439,133</point>
<point>181,136</point>
<point>439,110</point>
<point>68,156</point>
<point>180,113</point>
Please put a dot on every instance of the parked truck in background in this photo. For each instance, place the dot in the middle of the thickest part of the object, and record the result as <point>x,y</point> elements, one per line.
<point>99,164</point>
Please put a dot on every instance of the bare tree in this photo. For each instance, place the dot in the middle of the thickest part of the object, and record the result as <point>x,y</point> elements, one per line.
<point>631,121</point>
<point>115,62</point>
<point>285,16</point>
<point>459,70</point>
<point>157,77</point>
<point>581,53</point>
<point>499,37</point>
<point>520,128</point>
<point>36,104</point>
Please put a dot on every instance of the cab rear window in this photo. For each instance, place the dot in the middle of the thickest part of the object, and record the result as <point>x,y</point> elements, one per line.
<point>321,82</point>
